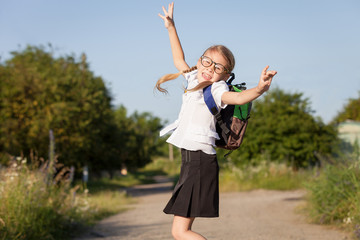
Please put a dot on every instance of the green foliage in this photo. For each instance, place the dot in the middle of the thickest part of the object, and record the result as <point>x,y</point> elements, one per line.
<point>138,136</point>
<point>351,111</point>
<point>40,92</point>
<point>281,128</point>
<point>33,208</point>
<point>334,196</point>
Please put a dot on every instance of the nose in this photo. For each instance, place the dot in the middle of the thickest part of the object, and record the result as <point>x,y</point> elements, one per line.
<point>211,67</point>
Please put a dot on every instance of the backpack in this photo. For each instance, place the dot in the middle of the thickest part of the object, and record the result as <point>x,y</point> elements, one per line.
<point>231,122</point>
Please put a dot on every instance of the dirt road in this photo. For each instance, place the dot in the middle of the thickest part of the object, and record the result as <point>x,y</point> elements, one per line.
<point>255,215</point>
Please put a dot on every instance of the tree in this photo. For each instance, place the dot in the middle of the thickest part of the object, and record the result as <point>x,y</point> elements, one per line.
<point>139,138</point>
<point>351,111</point>
<point>282,128</point>
<point>40,92</point>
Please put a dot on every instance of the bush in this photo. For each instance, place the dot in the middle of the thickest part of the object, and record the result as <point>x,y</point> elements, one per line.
<point>334,196</point>
<point>32,207</point>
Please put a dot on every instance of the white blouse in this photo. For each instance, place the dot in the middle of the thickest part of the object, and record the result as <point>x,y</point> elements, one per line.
<point>195,127</point>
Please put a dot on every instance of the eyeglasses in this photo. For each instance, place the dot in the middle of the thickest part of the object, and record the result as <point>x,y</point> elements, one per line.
<point>218,68</point>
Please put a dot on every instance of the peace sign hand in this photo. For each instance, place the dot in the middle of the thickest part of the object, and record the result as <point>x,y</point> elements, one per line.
<point>168,15</point>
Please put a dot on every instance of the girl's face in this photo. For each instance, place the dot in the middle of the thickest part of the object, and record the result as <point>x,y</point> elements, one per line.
<point>214,63</point>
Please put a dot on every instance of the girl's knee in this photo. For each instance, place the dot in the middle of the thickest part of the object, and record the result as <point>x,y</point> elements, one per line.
<point>181,227</point>
<point>177,233</point>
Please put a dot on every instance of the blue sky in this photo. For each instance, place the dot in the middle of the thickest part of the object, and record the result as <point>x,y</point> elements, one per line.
<point>313,44</point>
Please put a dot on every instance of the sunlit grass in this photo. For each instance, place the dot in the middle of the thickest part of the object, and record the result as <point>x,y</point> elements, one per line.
<point>107,203</point>
<point>32,207</point>
<point>334,196</point>
<point>163,166</point>
<point>265,175</point>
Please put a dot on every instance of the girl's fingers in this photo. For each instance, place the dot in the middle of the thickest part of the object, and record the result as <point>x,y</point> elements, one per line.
<point>265,69</point>
<point>166,13</point>
<point>163,17</point>
<point>273,73</point>
<point>171,9</point>
<point>269,73</point>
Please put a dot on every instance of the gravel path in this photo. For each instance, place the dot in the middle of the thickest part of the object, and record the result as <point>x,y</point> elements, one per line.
<point>254,215</point>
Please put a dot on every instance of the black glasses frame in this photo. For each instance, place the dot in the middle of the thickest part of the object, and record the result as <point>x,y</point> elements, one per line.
<point>215,64</point>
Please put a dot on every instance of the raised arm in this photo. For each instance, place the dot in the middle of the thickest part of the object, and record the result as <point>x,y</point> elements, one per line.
<point>177,51</point>
<point>236,98</point>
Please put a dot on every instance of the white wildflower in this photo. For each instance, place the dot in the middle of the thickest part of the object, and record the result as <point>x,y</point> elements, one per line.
<point>347,220</point>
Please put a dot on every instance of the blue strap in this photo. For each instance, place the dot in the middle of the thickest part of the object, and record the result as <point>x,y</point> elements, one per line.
<point>209,100</point>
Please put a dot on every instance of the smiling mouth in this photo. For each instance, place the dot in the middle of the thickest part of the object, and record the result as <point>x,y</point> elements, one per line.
<point>207,77</point>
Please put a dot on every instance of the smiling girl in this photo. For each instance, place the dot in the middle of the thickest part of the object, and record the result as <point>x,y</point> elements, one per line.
<point>196,193</point>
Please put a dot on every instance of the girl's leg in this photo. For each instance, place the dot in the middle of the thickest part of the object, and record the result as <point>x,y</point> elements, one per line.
<point>181,229</point>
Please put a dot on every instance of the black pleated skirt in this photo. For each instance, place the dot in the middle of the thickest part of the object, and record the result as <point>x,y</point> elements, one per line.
<point>196,194</point>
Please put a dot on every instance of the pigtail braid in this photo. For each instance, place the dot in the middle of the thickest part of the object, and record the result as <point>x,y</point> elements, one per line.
<point>190,69</point>
<point>169,77</point>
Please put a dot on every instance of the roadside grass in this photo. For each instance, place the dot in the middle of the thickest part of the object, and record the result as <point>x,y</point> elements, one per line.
<point>163,166</point>
<point>32,207</point>
<point>264,175</point>
<point>334,196</point>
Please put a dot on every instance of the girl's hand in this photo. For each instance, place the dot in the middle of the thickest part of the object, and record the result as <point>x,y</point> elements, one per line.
<point>168,15</point>
<point>265,80</point>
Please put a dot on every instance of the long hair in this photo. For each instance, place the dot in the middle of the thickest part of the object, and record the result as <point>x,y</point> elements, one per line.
<point>224,51</point>
<point>169,77</point>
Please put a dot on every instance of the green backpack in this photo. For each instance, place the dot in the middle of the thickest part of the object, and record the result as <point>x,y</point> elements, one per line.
<point>231,122</point>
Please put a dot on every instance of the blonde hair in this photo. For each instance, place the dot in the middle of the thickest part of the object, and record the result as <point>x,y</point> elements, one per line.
<point>169,77</point>
<point>224,51</point>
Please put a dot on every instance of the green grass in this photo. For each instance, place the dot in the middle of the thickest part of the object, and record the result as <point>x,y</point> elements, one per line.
<point>107,203</point>
<point>163,166</point>
<point>31,207</point>
<point>265,175</point>
<point>334,196</point>
<point>118,183</point>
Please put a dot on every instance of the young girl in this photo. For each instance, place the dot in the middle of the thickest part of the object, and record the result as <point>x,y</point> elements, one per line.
<point>197,192</point>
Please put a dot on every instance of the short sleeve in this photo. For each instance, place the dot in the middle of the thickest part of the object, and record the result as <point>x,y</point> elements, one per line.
<point>217,90</point>
<point>190,76</point>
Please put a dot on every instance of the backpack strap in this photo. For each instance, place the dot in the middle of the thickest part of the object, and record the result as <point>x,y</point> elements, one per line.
<point>210,103</point>
<point>209,100</point>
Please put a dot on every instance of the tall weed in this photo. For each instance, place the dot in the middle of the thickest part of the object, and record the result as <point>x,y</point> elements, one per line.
<point>334,196</point>
<point>31,207</point>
